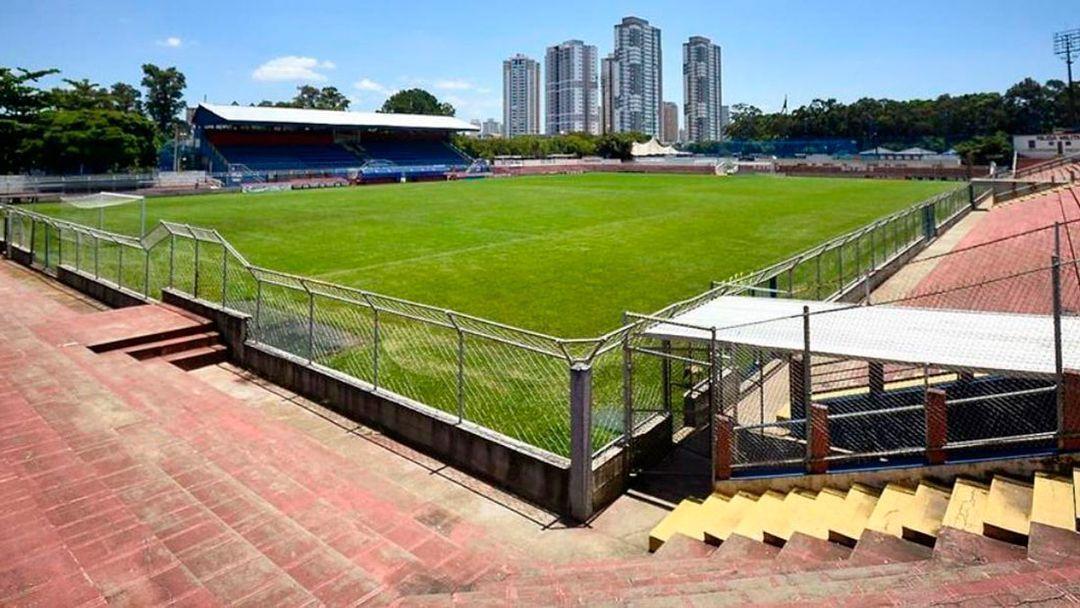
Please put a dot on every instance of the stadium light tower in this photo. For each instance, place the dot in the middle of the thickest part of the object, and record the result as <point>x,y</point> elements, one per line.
<point>1066,46</point>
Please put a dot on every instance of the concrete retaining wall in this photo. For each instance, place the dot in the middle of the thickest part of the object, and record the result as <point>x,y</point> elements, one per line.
<point>537,476</point>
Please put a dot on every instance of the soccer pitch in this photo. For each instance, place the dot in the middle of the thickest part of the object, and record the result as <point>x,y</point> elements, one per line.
<point>564,255</point>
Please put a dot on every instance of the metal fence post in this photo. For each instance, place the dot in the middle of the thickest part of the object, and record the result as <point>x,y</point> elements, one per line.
<point>258,309</point>
<point>33,229</point>
<point>172,254</point>
<point>1055,282</point>
<point>817,275</point>
<point>146,273</point>
<point>119,264</point>
<point>224,272</point>
<point>628,396</point>
<point>311,324</point>
<point>840,266</point>
<point>97,257</point>
<point>195,285</point>
<point>78,250</point>
<point>808,374</point>
<point>581,482</point>
<point>460,367</point>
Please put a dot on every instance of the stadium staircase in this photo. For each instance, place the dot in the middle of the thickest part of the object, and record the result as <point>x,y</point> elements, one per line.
<point>179,338</point>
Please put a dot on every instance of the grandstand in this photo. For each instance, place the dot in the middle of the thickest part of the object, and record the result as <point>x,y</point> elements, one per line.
<point>261,144</point>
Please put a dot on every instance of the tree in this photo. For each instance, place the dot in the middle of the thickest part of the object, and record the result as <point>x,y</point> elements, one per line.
<point>985,148</point>
<point>164,96</point>
<point>20,102</point>
<point>126,98</point>
<point>92,141</point>
<point>416,101</point>
<point>312,98</point>
<point>81,95</point>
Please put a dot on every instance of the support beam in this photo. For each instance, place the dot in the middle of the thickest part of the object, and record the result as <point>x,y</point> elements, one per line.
<point>1069,412</point>
<point>877,380</point>
<point>581,504</point>
<point>937,429</point>
<point>722,447</point>
<point>817,441</point>
<point>797,379</point>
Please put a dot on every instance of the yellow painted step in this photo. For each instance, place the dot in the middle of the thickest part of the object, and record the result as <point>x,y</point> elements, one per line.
<point>767,508</point>
<point>1053,502</point>
<point>859,505</point>
<point>1076,496</point>
<point>967,506</point>
<point>721,522</point>
<point>828,510</point>
<point>798,505</point>
<point>1008,510</point>
<point>685,519</point>
<point>925,514</point>
<point>891,510</point>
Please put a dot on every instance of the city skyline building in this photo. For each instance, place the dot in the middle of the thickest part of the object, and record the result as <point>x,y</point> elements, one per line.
<point>571,90</point>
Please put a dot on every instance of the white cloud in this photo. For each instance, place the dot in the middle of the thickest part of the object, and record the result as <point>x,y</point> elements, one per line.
<point>292,68</point>
<point>453,85</point>
<point>173,42</point>
<point>368,85</point>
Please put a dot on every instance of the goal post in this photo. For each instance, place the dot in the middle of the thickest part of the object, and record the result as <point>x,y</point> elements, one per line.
<point>101,200</point>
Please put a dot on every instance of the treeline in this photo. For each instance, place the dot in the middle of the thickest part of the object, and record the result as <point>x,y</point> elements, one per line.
<point>612,145</point>
<point>976,123</point>
<point>84,127</point>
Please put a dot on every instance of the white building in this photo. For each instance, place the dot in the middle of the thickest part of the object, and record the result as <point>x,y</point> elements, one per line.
<point>521,96</point>
<point>637,88</point>
<point>571,88</point>
<point>702,92</point>
<point>1047,145</point>
<point>491,128</point>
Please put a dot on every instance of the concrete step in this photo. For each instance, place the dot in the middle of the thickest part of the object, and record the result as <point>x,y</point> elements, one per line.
<point>723,519</point>
<point>963,547</point>
<point>798,506</point>
<point>1053,502</point>
<point>1008,510</point>
<point>198,357</point>
<point>891,510</point>
<point>151,337</point>
<point>802,552</point>
<point>859,504</point>
<point>766,511</point>
<point>967,506</point>
<point>925,513</point>
<point>172,345</point>
<point>1076,495</point>
<point>877,548</point>
<point>828,509</point>
<point>685,519</point>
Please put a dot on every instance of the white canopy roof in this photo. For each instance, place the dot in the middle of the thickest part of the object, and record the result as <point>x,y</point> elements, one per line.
<point>976,341</point>
<point>652,148</point>
<point>333,118</point>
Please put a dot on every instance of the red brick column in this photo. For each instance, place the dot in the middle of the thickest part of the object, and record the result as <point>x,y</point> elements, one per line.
<point>937,426</point>
<point>725,436</point>
<point>818,442</point>
<point>1069,414</point>
<point>797,376</point>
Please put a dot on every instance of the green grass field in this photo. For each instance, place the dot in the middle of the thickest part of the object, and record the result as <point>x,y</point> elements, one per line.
<point>564,255</point>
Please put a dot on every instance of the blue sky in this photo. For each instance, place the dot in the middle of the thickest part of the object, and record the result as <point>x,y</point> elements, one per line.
<point>248,51</point>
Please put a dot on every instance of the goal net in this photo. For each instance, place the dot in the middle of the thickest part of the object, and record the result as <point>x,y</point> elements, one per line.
<point>90,210</point>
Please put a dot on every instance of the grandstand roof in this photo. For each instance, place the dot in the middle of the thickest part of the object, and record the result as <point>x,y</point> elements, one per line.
<point>957,339</point>
<point>209,114</point>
